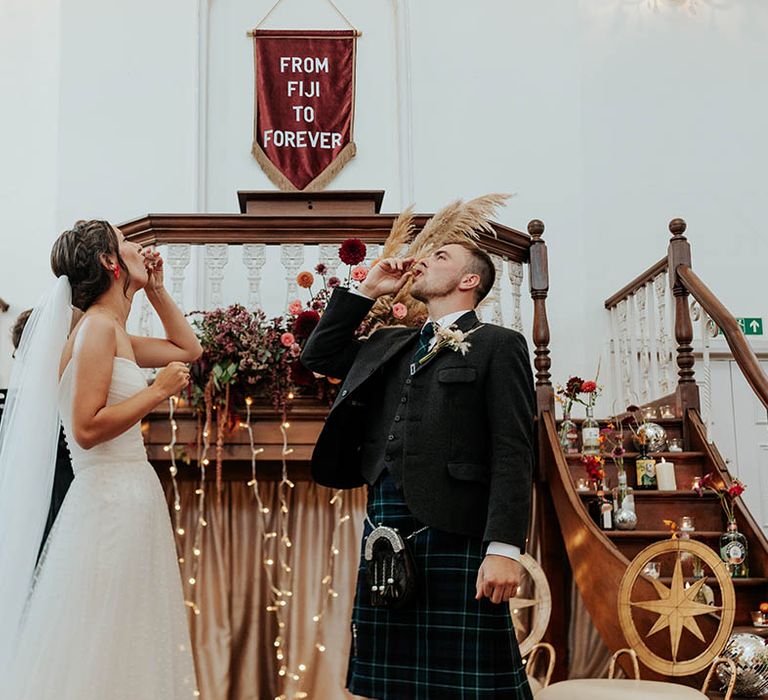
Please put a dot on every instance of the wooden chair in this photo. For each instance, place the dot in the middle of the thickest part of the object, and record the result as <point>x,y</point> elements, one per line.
<point>632,688</point>
<point>537,683</point>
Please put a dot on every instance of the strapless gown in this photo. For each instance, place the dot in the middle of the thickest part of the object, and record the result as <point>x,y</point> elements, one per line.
<point>105,619</point>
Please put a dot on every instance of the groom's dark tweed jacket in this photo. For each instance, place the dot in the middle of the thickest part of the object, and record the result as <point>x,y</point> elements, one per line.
<point>458,433</point>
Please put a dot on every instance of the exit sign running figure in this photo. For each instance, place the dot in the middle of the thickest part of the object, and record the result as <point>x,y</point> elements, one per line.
<point>749,326</point>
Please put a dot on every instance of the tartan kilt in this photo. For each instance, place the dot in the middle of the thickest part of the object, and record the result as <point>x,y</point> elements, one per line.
<point>445,644</point>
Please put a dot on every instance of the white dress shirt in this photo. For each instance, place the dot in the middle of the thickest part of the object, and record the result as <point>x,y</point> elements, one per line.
<point>501,549</point>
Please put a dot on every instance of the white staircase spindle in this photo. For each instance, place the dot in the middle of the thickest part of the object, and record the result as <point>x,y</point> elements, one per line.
<point>216,258</point>
<point>292,257</point>
<point>145,317</point>
<point>653,346</point>
<point>254,259</point>
<point>624,350</point>
<point>662,334</point>
<point>515,273</point>
<point>643,349</point>
<point>178,257</point>
<point>371,253</point>
<point>329,256</point>
<point>497,316</point>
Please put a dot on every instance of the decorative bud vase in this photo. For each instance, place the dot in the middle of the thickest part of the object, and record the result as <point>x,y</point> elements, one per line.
<point>625,517</point>
<point>734,551</point>
<point>569,435</point>
<point>590,434</point>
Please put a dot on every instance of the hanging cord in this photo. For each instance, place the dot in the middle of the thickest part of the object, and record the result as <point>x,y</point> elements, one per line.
<point>330,2</point>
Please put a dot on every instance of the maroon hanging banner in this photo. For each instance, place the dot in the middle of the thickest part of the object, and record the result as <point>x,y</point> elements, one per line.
<point>304,105</point>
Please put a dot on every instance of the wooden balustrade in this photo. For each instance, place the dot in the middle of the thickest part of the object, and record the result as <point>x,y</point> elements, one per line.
<point>206,247</point>
<point>643,301</point>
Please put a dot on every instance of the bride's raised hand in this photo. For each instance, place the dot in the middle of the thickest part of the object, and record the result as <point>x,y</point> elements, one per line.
<point>154,265</point>
<point>172,379</point>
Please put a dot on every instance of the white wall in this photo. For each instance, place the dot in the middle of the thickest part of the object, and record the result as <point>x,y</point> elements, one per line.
<point>606,117</point>
<point>29,138</point>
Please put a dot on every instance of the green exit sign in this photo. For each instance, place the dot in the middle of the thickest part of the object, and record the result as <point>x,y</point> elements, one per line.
<point>749,326</point>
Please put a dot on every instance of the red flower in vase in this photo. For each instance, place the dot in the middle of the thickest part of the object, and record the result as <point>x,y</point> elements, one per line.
<point>736,489</point>
<point>573,386</point>
<point>588,387</point>
<point>594,467</point>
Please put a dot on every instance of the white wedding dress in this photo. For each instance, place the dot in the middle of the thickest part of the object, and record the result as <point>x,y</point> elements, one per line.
<point>105,619</point>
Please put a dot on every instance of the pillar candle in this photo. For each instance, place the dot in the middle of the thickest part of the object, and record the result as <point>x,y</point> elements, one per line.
<point>665,476</point>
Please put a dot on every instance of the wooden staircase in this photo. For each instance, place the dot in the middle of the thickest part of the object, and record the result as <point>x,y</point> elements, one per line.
<point>597,559</point>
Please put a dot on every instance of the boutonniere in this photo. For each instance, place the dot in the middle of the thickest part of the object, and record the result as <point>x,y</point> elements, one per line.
<point>451,338</point>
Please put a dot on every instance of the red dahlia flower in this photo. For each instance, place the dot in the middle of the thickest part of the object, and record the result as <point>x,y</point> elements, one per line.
<point>352,251</point>
<point>305,323</point>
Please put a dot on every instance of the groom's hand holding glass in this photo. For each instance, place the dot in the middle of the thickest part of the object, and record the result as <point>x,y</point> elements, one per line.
<point>388,276</point>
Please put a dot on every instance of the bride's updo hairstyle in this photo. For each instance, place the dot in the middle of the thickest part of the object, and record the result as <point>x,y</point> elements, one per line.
<point>78,253</point>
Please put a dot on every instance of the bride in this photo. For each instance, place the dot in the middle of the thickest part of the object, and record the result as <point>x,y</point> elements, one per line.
<point>102,616</point>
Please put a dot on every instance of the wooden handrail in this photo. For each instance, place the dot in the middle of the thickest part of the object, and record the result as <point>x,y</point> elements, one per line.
<point>159,229</point>
<point>742,351</point>
<point>636,284</point>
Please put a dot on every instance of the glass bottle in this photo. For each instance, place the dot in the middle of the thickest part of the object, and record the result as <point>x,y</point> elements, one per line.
<point>625,515</point>
<point>601,509</point>
<point>590,434</point>
<point>646,469</point>
<point>569,435</point>
<point>734,551</point>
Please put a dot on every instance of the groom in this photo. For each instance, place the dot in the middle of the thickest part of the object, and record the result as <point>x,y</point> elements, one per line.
<point>445,442</point>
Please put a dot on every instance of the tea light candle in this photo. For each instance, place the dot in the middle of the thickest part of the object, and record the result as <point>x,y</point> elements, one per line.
<point>665,476</point>
<point>582,485</point>
<point>675,445</point>
<point>686,524</point>
<point>666,411</point>
<point>649,413</point>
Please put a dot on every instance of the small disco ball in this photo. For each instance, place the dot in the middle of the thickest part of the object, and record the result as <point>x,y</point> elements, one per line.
<point>750,655</point>
<point>655,435</point>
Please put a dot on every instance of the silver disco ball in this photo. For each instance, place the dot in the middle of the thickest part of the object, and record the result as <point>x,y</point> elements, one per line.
<point>750,655</point>
<point>655,435</point>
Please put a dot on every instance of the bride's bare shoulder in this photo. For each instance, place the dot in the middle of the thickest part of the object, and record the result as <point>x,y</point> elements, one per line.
<point>93,334</point>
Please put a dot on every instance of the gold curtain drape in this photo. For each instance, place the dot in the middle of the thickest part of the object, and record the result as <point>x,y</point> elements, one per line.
<point>233,635</point>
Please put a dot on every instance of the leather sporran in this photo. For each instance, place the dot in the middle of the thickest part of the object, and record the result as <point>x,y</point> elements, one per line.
<point>390,569</point>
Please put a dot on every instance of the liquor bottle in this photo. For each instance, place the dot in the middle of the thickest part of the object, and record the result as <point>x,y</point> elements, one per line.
<point>646,469</point>
<point>734,551</point>
<point>601,510</point>
<point>590,434</point>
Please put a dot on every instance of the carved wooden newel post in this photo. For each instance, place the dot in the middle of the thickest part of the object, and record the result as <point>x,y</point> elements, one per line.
<point>553,558</point>
<point>680,254</point>
<point>539,286</point>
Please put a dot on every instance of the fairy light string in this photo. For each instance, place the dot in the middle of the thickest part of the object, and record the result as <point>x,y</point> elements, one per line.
<point>170,448</point>
<point>277,543</point>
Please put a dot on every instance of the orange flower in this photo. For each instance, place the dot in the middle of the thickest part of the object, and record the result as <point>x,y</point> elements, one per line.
<point>305,279</point>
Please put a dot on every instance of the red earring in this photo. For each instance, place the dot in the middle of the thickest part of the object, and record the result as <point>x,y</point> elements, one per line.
<point>116,271</point>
